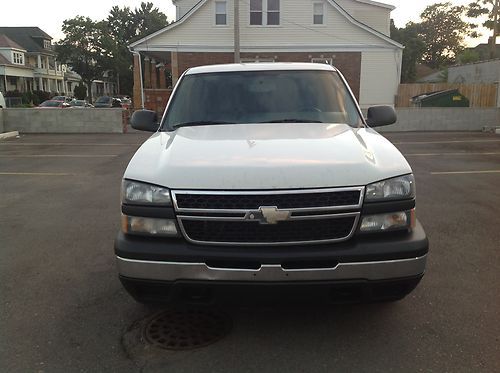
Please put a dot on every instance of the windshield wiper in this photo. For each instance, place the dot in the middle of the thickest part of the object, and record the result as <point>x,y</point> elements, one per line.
<point>292,120</point>
<point>201,123</point>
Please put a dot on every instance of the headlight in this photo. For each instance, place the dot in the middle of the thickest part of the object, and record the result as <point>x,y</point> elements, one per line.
<point>137,193</point>
<point>388,221</point>
<point>402,187</point>
<point>149,226</point>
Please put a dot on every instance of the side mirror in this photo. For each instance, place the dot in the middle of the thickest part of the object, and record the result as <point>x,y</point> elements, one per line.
<point>145,120</point>
<point>381,116</point>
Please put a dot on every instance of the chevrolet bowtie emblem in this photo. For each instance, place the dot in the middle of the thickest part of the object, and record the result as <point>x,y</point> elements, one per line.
<point>269,215</point>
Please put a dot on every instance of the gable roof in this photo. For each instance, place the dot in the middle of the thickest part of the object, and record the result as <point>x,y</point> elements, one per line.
<point>341,10</point>
<point>5,42</point>
<point>26,37</point>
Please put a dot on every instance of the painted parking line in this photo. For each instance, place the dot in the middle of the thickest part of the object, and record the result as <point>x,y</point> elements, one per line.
<point>60,156</point>
<point>466,172</point>
<point>35,174</point>
<point>450,154</point>
<point>442,142</point>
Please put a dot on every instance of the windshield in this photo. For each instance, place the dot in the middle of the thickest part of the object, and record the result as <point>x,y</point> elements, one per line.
<point>103,100</point>
<point>262,97</point>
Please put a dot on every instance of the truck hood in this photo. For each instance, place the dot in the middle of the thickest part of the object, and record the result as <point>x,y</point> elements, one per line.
<point>266,156</point>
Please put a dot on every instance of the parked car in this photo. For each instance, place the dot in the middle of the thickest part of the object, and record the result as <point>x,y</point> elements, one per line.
<point>53,104</point>
<point>267,176</point>
<point>2,101</point>
<point>80,104</point>
<point>107,102</point>
<point>67,99</point>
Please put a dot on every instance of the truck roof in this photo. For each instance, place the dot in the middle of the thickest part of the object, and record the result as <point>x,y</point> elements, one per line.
<point>271,66</point>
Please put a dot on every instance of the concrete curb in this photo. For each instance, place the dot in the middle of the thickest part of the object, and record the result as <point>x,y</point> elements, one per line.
<point>8,135</point>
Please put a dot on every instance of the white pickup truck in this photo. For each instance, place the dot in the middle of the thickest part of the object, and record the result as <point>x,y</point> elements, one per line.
<point>267,177</point>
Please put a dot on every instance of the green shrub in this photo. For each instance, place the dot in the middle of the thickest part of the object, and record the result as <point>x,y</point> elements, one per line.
<point>40,96</point>
<point>80,92</point>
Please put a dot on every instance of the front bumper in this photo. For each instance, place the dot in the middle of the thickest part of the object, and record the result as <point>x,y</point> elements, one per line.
<point>370,258</point>
<point>173,271</point>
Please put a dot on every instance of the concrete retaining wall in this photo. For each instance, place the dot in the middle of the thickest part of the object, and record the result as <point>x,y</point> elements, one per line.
<point>444,119</point>
<point>63,120</point>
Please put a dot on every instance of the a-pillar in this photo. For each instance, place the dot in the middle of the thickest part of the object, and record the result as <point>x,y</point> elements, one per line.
<point>163,77</point>
<point>147,73</point>
<point>175,67</point>
<point>154,75</point>
<point>137,82</point>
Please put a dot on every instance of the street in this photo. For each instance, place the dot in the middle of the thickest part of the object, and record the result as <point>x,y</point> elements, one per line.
<point>63,308</point>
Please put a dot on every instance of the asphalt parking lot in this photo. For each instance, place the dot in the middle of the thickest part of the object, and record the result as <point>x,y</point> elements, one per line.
<point>63,308</point>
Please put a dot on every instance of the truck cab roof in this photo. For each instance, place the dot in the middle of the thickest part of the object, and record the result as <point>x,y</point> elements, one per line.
<point>270,66</point>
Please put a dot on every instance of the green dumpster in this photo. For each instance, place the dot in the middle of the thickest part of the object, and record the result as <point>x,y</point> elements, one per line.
<point>448,98</point>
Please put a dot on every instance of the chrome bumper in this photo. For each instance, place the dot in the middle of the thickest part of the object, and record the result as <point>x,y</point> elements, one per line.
<point>173,271</point>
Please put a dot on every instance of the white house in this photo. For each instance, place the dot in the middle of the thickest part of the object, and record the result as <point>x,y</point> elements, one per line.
<point>353,35</point>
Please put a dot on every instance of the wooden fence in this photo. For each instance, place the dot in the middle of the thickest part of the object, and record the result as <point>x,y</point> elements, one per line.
<point>479,95</point>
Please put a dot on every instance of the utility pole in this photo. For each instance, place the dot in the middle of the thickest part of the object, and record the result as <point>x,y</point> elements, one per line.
<point>493,50</point>
<point>236,23</point>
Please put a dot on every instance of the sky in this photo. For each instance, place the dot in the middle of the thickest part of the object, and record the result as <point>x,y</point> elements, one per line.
<point>50,18</point>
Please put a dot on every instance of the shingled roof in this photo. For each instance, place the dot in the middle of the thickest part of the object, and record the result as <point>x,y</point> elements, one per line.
<point>5,42</point>
<point>27,37</point>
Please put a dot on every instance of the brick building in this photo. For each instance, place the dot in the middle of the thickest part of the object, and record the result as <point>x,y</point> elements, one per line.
<point>352,35</point>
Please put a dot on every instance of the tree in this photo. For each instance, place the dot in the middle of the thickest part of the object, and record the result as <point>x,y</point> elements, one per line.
<point>490,8</point>
<point>148,20</point>
<point>92,48</point>
<point>443,30</point>
<point>125,26</point>
<point>80,92</point>
<point>83,48</point>
<point>413,52</point>
<point>468,56</point>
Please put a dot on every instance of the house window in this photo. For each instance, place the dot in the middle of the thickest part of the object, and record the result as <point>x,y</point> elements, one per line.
<point>328,61</point>
<point>269,17</point>
<point>220,13</point>
<point>273,12</point>
<point>256,12</point>
<point>18,58</point>
<point>318,13</point>
<point>46,44</point>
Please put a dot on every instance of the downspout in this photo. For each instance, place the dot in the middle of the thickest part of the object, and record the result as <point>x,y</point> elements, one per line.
<point>140,73</point>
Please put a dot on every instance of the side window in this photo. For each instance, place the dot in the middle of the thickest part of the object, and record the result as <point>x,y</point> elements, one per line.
<point>256,12</point>
<point>220,13</point>
<point>318,15</point>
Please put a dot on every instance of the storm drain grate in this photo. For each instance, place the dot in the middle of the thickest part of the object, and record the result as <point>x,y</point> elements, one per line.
<point>185,329</point>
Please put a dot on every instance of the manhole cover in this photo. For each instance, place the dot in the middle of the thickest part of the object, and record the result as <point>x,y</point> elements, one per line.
<point>185,329</point>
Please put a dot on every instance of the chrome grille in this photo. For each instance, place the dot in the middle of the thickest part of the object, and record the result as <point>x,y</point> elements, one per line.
<point>268,217</point>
